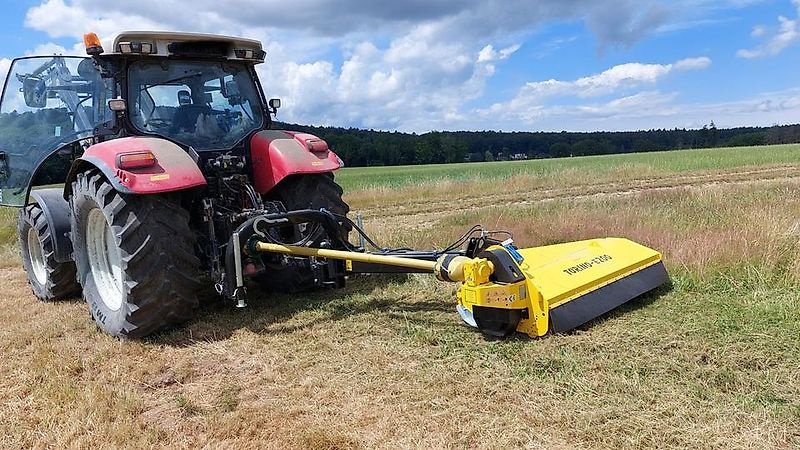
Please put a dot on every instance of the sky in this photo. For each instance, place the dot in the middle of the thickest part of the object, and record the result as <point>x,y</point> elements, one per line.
<point>510,65</point>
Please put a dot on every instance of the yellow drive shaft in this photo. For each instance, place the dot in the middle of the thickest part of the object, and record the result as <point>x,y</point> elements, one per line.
<point>446,268</point>
<point>409,263</point>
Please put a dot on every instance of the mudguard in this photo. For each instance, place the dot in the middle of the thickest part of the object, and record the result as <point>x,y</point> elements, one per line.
<point>175,169</point>
<point>56,213</point>
<point>278,154</point>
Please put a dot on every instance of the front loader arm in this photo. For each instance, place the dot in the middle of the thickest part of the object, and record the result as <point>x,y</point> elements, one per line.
<point>55,76</point>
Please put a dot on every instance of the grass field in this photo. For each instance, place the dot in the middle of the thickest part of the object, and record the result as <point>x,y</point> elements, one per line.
<point>360,178</point>
<point>711,362</point>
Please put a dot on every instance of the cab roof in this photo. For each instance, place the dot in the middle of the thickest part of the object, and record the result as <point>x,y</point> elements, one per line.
<point>164,43</point>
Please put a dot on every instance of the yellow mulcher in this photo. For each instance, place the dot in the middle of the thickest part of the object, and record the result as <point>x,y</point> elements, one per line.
<point>503,289</point>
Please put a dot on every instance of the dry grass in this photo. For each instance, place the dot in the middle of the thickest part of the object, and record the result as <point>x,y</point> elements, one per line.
<point>439,196</point>
<point>711,363</point>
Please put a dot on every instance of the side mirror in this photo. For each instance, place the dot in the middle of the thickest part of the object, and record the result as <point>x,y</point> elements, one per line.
<point>232,92</point>
<point>117,105</point>
<point>35,92</point>
<point>232,89</point>
<point>274,104</point>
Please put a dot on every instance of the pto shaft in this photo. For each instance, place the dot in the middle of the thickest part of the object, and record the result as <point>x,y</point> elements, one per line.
<point>418,264</point>
<point>446,268</point>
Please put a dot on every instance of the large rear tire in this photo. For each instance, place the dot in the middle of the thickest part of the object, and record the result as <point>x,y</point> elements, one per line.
<point>312,191</point>
<point>135,258</point>
<point>50,280</point>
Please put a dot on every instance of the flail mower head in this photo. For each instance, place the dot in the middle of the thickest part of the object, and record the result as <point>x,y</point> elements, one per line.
<point>503,289</point>
<point>557,287</point>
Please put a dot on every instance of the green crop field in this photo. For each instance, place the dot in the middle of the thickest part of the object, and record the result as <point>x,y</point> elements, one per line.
<point>665,162</point>
<point>708,362</point>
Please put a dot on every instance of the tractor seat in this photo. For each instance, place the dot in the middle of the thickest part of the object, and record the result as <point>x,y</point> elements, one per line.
<point>186,116</point>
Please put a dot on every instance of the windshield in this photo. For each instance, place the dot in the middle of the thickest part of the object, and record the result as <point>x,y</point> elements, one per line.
<point>48,103</point>
<point>205,104</point>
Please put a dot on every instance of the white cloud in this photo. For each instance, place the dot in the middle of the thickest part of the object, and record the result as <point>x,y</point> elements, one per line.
<point>613,22</point>
<point>788,33</point>
<point>607,82</point>
<point>536,105</point>
<point>414,65</point>
<point>488,53</point>
<point>654,109</point>
<point>651,103</point>
<point>701,62</point>
<point>406,84</point>
<point>5,64</point>
<point>59,19</point>
<point>763,109</point>
<point>49,49</point>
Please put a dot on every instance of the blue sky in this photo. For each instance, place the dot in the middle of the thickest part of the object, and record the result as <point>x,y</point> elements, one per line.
<point>507,65</point>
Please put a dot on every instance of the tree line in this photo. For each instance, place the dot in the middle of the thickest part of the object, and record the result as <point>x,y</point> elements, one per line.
<point>359,147</point>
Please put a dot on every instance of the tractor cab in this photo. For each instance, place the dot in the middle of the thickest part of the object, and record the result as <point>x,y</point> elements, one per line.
<point>208,105</point>
<point>198,91</point>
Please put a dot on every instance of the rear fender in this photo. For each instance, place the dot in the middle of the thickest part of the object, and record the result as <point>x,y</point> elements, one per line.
<point>56,213</point>
<point>175,169</point>
<point>279,154</point>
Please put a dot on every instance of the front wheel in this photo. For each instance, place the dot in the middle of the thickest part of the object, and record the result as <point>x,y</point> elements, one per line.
<point>50,280</point>
<point>134,256</point>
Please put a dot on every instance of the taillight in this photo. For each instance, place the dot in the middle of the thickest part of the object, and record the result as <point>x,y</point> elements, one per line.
<point>316,145</point>
<point>136,160</point>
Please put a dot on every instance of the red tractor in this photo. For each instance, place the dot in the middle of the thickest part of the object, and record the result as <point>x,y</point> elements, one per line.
<point>169,169</point>
<point>164,147</point>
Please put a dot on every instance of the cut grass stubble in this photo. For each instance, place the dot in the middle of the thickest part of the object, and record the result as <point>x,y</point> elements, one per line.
<point>710,362</point>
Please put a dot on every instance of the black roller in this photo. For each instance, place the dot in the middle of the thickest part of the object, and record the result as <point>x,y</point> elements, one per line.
<point>576,312</point>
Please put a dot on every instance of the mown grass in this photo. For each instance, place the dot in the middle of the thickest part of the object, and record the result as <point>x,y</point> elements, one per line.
<point>709,363</point>
<point>441,187</point>
<point>8,237</point>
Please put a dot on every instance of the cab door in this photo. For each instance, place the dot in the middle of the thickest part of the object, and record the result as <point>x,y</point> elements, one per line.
<point>48,103</point>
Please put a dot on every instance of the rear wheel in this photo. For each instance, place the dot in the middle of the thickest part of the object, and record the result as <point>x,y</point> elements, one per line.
<point>313,191</point>
<point>134,256</point>
<point>49,279</point>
